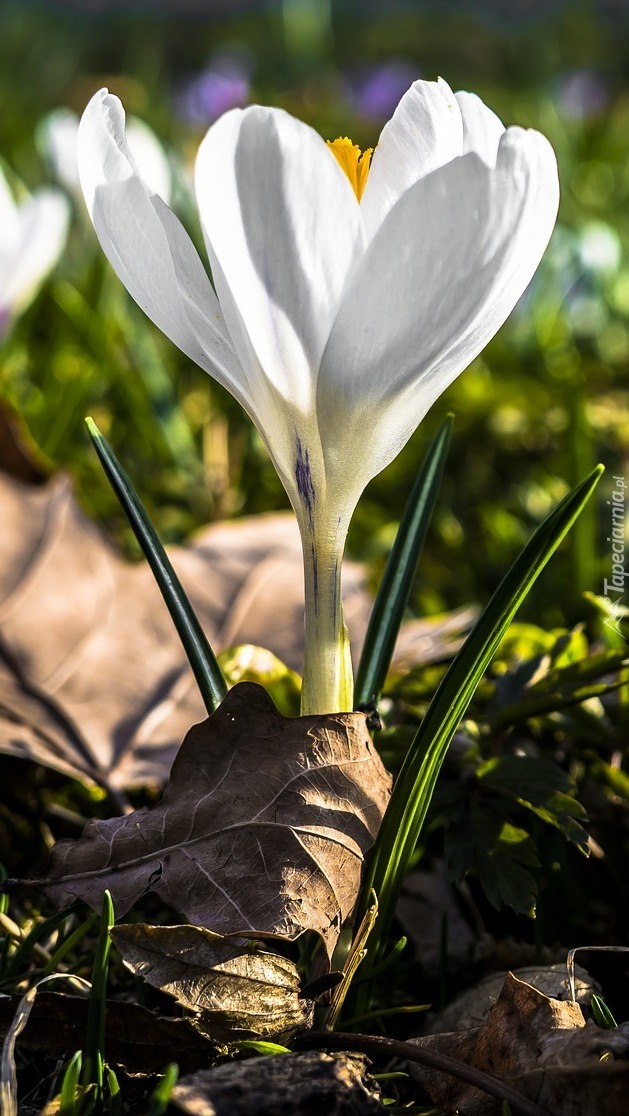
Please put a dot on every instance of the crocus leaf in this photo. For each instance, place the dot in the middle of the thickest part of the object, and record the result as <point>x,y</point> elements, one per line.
<point>262,830</point>
<point>394,591</point>
<point>235,990</point>
<point>415,784</point>
<point>206,670</point>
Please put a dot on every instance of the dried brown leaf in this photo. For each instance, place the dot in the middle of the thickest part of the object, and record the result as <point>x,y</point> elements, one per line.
<point>299,1084</point>
<point>236,990</point>
<point>134,1037</point>
<point>262,829</point>
<point>530,1040</point>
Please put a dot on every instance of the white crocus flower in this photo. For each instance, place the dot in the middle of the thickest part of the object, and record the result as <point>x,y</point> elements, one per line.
<point>345,300</point>
<point>57,134</point>
<point>32,236</point>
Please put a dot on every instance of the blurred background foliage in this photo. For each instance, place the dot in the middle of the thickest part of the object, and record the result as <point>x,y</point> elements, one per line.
<point>546,399</point>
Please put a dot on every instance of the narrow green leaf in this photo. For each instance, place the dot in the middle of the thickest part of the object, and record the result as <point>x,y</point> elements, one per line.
<point>602,1015</point>
<point>114,1106</point>
<point>414,787</point>
<point>95,1041</point>
<point>261,1047</point>
<point>69,1085</point>
<point>69,943</point>
<point>160,1096</point>
<point>202,659</point>
<point>397,582</point>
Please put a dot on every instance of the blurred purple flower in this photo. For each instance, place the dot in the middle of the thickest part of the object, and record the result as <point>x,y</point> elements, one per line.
<point>376,92</point>
<point>224,84</point>
<point>581,94</point>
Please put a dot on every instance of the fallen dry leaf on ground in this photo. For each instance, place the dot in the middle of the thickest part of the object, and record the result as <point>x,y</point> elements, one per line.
<point>534,1043</point>
<point>299,1084</point>
<point>471,1008</point>
<point>262,829</point>
<point>93,680</point>
<point>134,1036</point>
<point>235,990</point>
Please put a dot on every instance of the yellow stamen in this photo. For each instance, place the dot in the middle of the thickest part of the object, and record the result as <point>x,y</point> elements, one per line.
<point>354,162</point>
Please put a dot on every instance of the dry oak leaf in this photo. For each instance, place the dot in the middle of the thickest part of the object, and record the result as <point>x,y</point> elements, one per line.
<point>262,829</point>
<point>93,679</point>
<point>236,990</point>
<point>531,1041</point>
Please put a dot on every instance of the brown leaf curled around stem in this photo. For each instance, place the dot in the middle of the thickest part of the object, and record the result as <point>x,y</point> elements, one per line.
<point>235,990</point>
<point>262,830</point>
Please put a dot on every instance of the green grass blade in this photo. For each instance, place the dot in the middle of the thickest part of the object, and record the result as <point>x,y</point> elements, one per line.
<point>262,1047</point>
<point>69,1085</point>
<point>202,659</point>
<point>602,1015</point>
<point>95,1041</point>
<point>161,1093</point>
<point>114,1105</point>
<point>414,786</point>
<point>399,574</point>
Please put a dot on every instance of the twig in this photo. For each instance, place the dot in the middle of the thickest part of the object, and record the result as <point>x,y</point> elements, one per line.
<point>379,1045</point>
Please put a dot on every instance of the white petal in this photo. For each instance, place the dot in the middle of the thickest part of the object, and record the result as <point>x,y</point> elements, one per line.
<point>42,229</point>
<point>282,226</point>
<point>275,421</point>
<point>150,157</point>
<point>482,129</point>
<point>58,134</point>
<point>425,132</point>
<point>436,283</point>
<point>148,247</point>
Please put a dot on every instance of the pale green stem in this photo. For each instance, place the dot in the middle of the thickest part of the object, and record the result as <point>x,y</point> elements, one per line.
<point>328,685</point>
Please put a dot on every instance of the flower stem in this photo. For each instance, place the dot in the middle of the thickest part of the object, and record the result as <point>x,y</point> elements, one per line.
<point>328,685</point>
